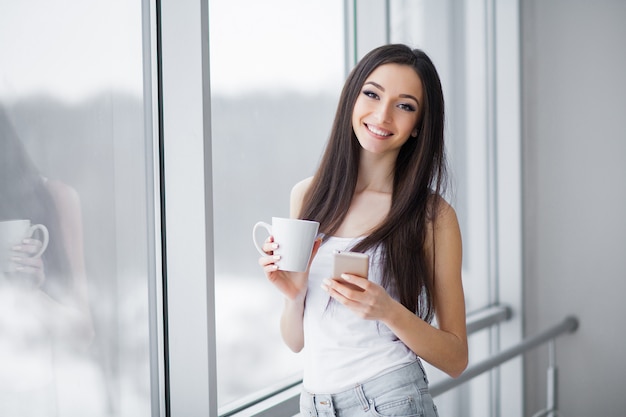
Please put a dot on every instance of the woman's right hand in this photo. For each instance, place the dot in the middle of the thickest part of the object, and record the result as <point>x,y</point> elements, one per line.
<point>292,284</point>
<point>29,270</point>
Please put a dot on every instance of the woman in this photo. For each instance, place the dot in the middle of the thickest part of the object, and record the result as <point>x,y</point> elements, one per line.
<point>378,190</point>
<point>58,276</point>
<point>43,300</point>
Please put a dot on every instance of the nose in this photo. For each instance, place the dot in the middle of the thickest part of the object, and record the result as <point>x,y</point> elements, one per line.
<point>382,112</point>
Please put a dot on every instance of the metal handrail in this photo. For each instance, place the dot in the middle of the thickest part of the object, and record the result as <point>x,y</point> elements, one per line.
<point>487,317</point>
<point>476,321</point>
<point>569,325</point>
<point>286,398</point>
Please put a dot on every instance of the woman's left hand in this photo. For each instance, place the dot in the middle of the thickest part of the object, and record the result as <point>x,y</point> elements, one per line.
<point>365,298</point>
<point>29,270</point>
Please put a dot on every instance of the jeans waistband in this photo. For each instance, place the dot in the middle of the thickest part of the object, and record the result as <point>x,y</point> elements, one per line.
<point>408,374</point>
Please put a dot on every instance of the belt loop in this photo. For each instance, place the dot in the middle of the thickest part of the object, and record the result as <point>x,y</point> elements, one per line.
<point>324,405</point>
<point>358,391</point>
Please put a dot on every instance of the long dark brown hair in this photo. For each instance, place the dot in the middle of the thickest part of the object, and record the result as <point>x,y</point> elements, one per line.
<point>419,181</point>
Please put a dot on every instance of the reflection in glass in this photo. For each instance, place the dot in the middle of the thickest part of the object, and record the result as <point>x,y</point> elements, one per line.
<point>43,288</point>
<point>74,322</point>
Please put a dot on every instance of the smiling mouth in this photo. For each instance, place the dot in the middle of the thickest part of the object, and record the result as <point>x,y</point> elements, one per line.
<point>377,131</point>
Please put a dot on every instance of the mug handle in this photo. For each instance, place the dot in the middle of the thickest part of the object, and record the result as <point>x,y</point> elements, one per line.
<point>46,237</point>
<point>267,227</point>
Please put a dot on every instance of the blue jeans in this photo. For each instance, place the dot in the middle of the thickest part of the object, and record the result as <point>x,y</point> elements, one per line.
<point>400,393</point>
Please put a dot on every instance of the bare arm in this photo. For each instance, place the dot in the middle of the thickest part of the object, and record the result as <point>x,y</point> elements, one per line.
<point>291,326</point>
<point>297,196</point>
<point>71,316</point>
<point>445,347</point>
<point>292,284</point>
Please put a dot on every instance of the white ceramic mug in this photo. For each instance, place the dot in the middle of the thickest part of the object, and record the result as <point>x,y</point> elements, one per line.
<point>295,240</point>
<point>12,232</point>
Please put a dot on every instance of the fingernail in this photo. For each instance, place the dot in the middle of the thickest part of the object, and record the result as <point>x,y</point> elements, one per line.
<point>326,282</point>
<point>274,245</point>
<point>277,257</point>
<point>346,277</point>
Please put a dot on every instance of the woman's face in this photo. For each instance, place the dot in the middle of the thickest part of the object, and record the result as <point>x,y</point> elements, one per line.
<point>388,108</point>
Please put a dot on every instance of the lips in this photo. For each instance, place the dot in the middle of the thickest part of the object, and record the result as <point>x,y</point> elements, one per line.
<point>378,131</point>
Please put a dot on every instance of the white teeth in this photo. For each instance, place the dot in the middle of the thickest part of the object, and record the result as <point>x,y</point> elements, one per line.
<point>377,131</point>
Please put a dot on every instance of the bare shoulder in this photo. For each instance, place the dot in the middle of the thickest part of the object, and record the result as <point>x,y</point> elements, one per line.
<point>65,197</point>
<point>444,215</point>
<point>297,196</point>
<point>443,225</point>
<point>68,205</point>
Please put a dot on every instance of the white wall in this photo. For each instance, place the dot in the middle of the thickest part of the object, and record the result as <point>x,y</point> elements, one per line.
<point>574,162</point>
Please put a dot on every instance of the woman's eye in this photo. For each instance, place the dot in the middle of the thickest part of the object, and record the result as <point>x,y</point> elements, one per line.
<point>370,94</point>
<point>406,107</point>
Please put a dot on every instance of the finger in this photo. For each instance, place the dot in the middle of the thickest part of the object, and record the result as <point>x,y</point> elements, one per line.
<point>356,280</point>
<point>29,246</point>
<point>25,261</point>
<point>335,293</point>
<point>344,290</point>
<point>32,242</point>
<point>270,246</point>
<point>268,260</point>
<point>27,269</point>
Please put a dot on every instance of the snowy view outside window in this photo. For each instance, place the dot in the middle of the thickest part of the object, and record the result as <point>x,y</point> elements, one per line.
<point>276,74</point>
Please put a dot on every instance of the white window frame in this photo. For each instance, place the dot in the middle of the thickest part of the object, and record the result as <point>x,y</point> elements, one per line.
<point>184,114</point>
<point>185,105</point>
<point>509,391</point>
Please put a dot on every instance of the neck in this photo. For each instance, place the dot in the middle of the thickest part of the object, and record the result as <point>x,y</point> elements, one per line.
<point>376,172</point>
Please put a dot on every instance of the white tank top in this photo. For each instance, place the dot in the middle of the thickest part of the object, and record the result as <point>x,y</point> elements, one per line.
<point>342,349</point>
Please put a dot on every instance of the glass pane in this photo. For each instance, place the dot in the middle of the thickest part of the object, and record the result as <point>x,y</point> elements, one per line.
<point>276,73</point>
<point>453,33</point>
<point>75,156</point>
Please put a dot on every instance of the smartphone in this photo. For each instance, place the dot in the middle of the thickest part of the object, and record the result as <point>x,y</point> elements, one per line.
<point>355,263</point>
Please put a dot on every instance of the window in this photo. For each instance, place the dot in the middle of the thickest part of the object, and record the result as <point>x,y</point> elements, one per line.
<point>459,36</point>
<point>186,134</point>
<point>77,157</point>
<point>276,73</point>
<point>478,75</point>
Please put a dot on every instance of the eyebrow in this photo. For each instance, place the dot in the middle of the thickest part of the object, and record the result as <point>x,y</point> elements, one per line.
<point>380,87</point>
